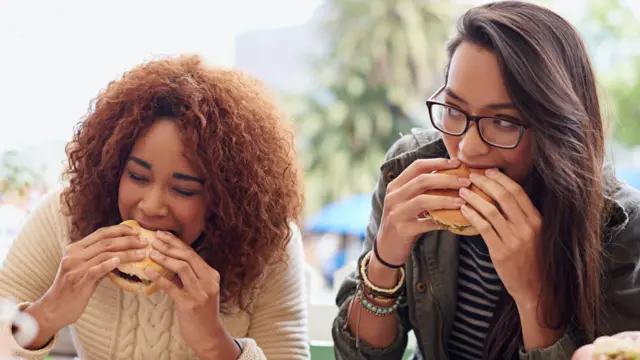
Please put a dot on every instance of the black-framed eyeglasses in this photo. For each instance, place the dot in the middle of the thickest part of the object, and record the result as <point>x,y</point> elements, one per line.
<point>495,131</point>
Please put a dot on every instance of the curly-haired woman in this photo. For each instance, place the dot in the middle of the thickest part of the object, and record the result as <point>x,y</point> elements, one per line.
<point>203,156</point>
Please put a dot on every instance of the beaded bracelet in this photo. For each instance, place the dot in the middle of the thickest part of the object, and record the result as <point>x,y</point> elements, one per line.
<point>377,300</point>
<point>381,300</point>
<point>375,309</point>
<point>377,291</point>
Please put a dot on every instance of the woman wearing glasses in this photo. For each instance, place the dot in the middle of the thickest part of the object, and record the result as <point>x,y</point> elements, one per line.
<point>557,259</point>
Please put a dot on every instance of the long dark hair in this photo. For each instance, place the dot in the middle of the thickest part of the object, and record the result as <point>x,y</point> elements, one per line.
<point>548,74</point>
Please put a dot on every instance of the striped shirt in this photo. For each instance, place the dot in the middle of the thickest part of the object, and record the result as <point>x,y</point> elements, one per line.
<point>478,290</point>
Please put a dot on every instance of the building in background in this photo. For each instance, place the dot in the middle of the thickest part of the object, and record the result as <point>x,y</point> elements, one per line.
<point>282,56</point>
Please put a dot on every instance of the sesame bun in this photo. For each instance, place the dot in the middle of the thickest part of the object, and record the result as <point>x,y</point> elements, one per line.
<point>131,276</point>
<point>450,219</point>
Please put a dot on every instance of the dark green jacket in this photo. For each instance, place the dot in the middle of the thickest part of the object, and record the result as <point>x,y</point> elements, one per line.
<point>432,270</point>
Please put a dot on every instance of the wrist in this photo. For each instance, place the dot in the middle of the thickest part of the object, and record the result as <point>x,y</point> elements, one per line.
<point>535,333</point>
<point>43,314</point>
<point>381,275</point>
<point>526,306</point>
<point>221,346</point>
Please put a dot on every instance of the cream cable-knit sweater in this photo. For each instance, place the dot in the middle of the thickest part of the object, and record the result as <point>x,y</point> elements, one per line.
<point>120,325</point>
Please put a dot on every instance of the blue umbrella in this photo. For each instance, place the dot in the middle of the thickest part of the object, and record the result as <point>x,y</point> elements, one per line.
<point>349,216</point>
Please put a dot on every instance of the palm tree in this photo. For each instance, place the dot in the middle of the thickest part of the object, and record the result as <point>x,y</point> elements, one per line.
<point>384,58</point>
<point>396,43</point>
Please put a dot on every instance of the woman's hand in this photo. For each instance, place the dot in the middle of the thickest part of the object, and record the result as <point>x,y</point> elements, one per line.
<point>196,293</point>
<point>405,200</point>
<point>511,232</point>
<point>84,264</point>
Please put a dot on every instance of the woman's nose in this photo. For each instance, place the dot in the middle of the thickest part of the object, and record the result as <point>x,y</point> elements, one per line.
<point>152,203</point>
<point>471,145</point>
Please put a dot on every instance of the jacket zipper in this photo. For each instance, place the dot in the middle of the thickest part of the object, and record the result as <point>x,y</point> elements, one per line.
<point>446,355</point>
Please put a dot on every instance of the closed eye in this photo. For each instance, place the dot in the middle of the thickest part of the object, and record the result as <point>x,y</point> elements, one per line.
<point>136,178</point>
<point>184,192</point>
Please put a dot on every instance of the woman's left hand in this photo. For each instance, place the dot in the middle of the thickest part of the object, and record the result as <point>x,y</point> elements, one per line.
<point>196,293</point>
<point>511,232</point>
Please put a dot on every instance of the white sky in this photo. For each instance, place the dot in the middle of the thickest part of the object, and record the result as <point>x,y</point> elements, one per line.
<point>57,55</point>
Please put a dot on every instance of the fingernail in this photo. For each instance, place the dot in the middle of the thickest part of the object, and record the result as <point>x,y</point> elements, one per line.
<point>150,272</point>
<point>143,240</point>
<point>464,209</point>
<point>155,253</point>
<point>141,253</point>
<point>490,172</point>
<point>474,176</point>
<point>454,162</point>
<point>464,191</point>
<point>464,181</point>
<point>459,201</point>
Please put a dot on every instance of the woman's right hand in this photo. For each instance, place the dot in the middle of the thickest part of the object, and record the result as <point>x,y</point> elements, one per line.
<point>405,200</point>
<point>84,264</point>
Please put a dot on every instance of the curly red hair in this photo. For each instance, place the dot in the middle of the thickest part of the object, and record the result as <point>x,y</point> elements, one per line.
<point>234,135</point>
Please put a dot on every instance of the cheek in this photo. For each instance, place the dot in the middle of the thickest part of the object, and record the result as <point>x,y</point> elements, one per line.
<point>451,143</point>
<point>190,214</point>
<point>518,162</point>
<point>127,197</point>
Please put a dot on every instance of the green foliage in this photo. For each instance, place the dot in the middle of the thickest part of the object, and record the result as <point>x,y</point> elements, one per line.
<point>611,30</point>
<point>624,97</point>
<point>384,59</point>
<point>15,177</point>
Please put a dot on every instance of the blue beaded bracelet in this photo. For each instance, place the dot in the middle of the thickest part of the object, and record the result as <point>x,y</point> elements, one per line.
<point>375,309</point>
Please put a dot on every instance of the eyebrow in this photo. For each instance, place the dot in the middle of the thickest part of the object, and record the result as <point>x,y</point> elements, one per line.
<point>498,106</point>
<point>178,176</point>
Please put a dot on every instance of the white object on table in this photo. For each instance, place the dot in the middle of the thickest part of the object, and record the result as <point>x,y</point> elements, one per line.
<point>26,328</point>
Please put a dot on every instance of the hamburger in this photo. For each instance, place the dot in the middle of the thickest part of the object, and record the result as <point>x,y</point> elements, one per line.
<point>615,348</point>
<point>452,220</point>
<point>131,277</point>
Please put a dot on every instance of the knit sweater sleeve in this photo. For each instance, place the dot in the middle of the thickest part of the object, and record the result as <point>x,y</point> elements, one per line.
<point>32,261</point>
<point>279,323</point>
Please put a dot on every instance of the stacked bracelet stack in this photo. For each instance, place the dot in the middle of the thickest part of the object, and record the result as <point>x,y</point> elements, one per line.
<point>376,300</point>
<point>377,290</point>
